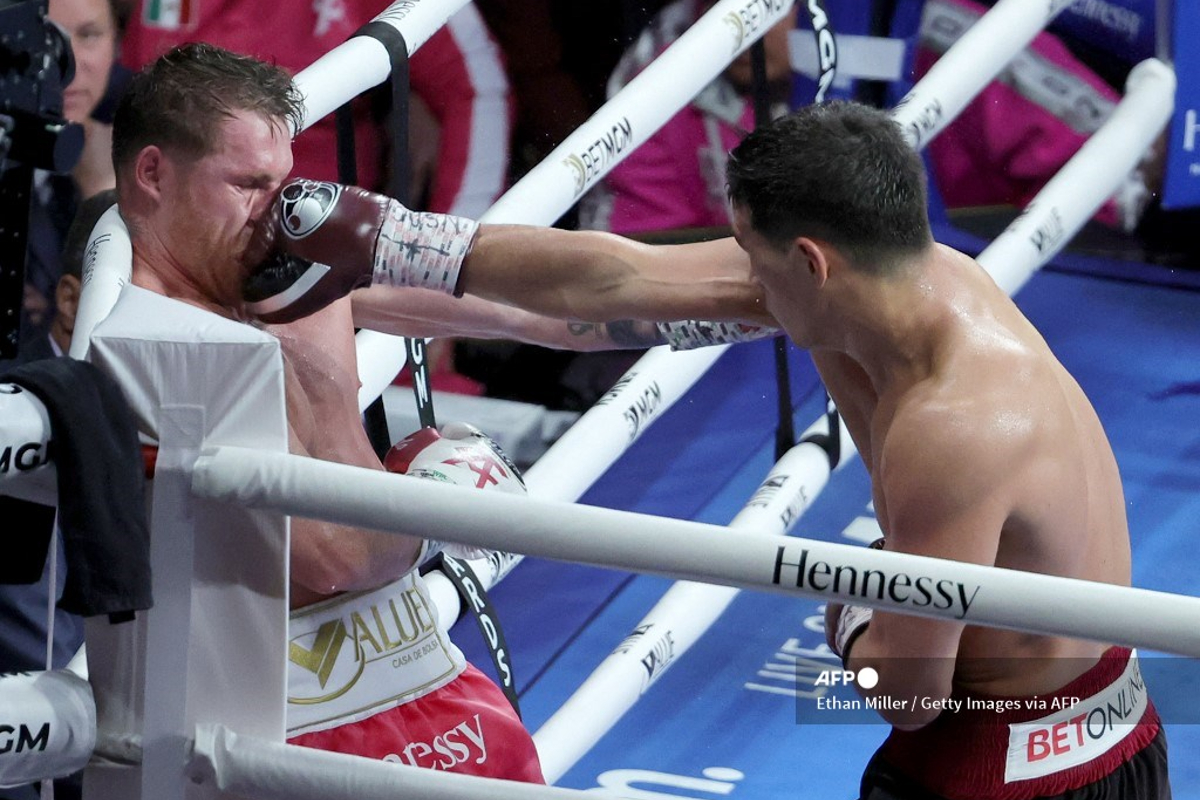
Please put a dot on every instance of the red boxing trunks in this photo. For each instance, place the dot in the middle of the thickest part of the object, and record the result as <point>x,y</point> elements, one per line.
<point>465,726</point>
<point>374,674</point>
<point>1006,748</point>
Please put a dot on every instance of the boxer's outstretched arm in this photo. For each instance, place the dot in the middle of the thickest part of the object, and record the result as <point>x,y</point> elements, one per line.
<point>404,311</point>
<point>326,240</point>
<point>598,277</point>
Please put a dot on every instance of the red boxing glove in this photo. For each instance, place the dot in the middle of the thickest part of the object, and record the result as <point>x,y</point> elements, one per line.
<point>459,454</point>
<point>332,239</point>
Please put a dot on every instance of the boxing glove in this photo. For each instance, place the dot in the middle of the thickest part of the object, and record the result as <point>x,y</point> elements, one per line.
<point>689,334</point>
<point>850,621</point>
<point>331,239</point>
<point>458,454</point>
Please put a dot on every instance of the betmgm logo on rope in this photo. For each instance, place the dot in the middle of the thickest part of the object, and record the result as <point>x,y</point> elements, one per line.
<point>592,162</point>
<point>747,20</point>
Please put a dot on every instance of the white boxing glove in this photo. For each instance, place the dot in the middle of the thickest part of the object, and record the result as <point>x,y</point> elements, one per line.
<point>459,454</point>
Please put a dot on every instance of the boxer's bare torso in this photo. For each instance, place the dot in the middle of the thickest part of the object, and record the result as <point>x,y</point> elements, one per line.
<point>321,385</point>
<point>322,397</point>
<point>982,448</point>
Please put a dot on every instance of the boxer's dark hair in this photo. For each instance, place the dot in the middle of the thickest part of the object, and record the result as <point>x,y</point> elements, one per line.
<point>838,171</point>
<point>179,101</point>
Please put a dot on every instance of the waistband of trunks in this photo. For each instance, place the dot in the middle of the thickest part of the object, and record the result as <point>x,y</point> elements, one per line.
<point>1014,748</point>
<point>358,654</point>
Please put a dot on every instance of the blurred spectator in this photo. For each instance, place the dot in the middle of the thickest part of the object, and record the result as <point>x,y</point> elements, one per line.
<point>94,28</point>
<point>1024,126</point>
<point>550,102</point>
<point>677,178</point>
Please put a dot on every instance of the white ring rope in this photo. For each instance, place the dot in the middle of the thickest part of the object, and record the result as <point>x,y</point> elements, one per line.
<point>635,113</point>
<point>627,120</point>
<point>24,436</point>
<point>1092,175</point>
<point>681,617</point>
<point>251,767</point>
<point>962,72</point>
<point>977,594</point>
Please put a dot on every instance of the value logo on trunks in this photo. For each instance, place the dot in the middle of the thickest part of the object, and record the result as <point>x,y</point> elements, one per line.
<point>1081,733</point>
<point>305,205</point>
<point>380,630</point>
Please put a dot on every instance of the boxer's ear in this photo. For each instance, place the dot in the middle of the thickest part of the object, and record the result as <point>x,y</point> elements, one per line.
<point>812,257</point>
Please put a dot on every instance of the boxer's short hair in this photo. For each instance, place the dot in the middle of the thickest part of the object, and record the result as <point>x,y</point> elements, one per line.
<point>179,101</point>
<point>837,171</point>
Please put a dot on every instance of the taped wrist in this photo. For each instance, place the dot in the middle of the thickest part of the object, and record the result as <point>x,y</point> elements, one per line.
<point>689,334</point>
<point>422,249</point>
<point>851,623</point>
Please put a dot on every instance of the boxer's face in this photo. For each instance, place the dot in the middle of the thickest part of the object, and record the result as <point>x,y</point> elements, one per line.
<point>219,197</point>
<point>784,274</point>
<point>93,33</point>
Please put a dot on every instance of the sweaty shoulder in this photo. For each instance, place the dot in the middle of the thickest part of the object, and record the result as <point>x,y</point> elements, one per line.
<point>938,426</point>
<point>947,463</point>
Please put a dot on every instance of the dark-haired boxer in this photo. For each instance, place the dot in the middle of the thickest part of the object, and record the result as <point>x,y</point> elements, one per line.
<point>981,448</point>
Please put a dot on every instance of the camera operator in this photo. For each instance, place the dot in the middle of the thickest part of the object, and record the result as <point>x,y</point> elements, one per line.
<point>93,28</point>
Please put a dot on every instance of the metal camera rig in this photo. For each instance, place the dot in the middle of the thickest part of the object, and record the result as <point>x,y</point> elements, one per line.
<point>36,65</point>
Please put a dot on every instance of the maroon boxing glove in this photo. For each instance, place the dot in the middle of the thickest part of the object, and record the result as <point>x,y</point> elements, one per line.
<point>332,239</point>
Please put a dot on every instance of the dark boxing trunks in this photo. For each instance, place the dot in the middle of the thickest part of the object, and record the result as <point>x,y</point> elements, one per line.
<point>1097,737</point>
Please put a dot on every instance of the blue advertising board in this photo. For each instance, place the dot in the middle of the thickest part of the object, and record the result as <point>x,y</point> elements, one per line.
<point>1182,186</point>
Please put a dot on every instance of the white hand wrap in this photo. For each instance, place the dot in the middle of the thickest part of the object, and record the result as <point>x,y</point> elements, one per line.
<point>851,623</point>
<point>689,334</point>
<point>422,249</point>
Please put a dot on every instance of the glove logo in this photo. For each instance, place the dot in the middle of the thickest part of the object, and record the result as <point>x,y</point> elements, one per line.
<point>305,205</point>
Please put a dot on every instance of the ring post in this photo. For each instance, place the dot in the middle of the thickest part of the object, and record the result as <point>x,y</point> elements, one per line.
<point>213,647</point>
